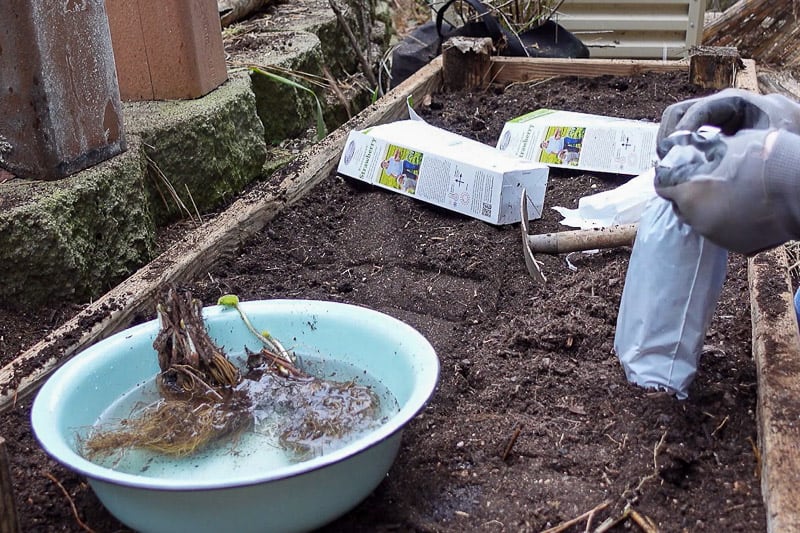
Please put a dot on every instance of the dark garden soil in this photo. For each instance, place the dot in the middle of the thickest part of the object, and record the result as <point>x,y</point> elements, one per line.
<point>533,422</point>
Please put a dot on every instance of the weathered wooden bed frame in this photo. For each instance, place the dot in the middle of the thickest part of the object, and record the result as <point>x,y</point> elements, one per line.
<point>776,342</point>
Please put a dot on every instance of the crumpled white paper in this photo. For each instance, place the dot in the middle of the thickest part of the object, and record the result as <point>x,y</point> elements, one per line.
<point>622,205</point>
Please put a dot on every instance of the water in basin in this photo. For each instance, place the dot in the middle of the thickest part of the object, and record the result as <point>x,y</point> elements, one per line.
<point>255,450</point>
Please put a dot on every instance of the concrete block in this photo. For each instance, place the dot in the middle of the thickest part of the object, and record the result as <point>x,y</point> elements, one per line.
<point>74,238</point>
<point>166,49</point>
<point>311,44</point>
<point>59,98</point>
<point>285,111</point>
<point>320,20</point>
<point>361,18</point>
<point>207,148</point>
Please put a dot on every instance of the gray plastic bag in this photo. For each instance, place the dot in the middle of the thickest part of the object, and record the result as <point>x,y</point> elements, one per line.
<point>672,286</point>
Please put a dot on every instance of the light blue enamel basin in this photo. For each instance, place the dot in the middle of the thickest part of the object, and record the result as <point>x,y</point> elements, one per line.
<point>293,497</point>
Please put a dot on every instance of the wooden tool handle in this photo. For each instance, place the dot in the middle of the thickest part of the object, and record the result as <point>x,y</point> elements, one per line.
<point>582,239</point>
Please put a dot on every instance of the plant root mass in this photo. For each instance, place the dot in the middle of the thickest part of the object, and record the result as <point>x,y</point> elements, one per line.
<point>205,398</point>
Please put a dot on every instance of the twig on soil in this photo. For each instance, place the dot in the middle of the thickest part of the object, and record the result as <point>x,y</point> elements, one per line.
<point>588,515</point>
<point>620,444</point>
<point>743,505</point>
<point>83,526</point>
<point>721,424</point>
<point>656,449</point>
<point>511,442</point>
<point>644,522</point>
<point>610,522</point>
<point>757,454</point>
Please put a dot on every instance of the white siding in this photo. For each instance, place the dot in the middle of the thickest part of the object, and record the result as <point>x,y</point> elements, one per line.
<point>635,29</point>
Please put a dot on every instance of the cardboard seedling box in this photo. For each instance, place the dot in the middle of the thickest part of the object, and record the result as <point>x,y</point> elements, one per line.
<point>582,141</point>
<point>413,158</point>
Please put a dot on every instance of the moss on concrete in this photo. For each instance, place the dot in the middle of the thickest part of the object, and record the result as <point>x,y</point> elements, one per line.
<point>366,22</point>
<point>75,238</point>
<point>284,110</point>
<point>314,45</point>
<point>206,150</point>
<point>340,59</point>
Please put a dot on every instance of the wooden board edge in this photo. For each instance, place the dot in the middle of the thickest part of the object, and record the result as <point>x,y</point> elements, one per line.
<point>776,351</point>
<point>747,78</point>
<point>197,252</point>
<point>505,70</point>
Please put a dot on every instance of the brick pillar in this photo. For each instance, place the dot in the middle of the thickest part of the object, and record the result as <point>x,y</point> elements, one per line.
<point>167,49</point>
<point>60,110</point>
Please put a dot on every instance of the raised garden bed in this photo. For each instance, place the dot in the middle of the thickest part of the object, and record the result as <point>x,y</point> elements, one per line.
<point>533,423</point>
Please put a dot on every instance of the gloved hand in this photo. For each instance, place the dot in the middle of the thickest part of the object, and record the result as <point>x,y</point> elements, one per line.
<point>730,110</point>
<point>742,192</point>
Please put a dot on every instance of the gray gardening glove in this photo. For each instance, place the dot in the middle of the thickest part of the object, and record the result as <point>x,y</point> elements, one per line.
<point>730,110</point>
<point>742,192</point>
